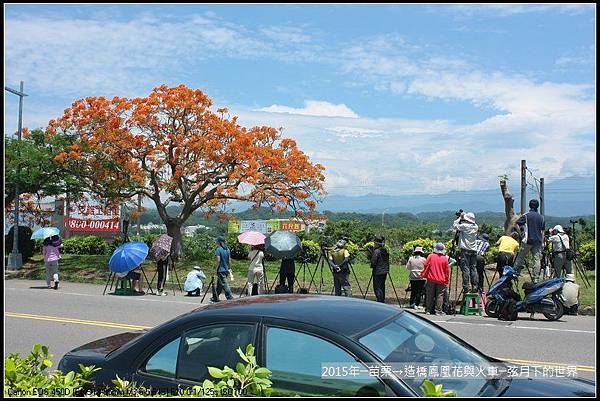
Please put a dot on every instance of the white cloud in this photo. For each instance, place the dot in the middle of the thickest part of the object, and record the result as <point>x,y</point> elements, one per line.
<point>314,108</point>
<point>507,10</point>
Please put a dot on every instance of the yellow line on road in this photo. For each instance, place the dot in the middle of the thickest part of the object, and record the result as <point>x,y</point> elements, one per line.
<point>75,321</point>
<point>584,368</point>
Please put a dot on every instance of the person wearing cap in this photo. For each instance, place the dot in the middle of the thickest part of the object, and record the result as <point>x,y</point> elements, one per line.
<point>437,273</point>
<point>482,244</point>
<point>339,259</point>
<point>570,293</point>
<point>415,265</point>
<point>560,244</point>
<point>223,255</point>
<point>467,235</point>
<point>193,282</point>
<point>532,226</point>
<point>380,263</point>
<point>508,245</point>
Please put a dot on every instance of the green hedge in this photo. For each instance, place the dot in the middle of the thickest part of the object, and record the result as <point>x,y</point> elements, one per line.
<point>90,245</point>
<point>587,255</point>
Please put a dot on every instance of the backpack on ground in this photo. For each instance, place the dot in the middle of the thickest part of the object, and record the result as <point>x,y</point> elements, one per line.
<point>281,289</point>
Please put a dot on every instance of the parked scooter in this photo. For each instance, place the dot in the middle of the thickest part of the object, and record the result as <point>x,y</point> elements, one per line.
<point>544,297</point>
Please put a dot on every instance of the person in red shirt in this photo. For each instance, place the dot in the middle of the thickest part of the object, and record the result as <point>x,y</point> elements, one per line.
<point>436,272</point>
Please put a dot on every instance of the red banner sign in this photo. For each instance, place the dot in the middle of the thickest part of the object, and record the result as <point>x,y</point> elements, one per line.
<point>99,225</point>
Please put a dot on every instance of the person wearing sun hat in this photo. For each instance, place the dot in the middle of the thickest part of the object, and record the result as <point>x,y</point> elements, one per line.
<point>437,273</point>
<point>193,282</point>
<point>415,265</point>
<point>570,293</point>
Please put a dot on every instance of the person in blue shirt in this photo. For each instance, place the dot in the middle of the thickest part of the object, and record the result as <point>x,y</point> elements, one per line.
<point>193,282</point>
<point>223,255</point>
<point>535,238</point>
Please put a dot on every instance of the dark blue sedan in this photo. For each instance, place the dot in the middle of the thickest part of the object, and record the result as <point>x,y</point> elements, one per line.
<point>314,345</point>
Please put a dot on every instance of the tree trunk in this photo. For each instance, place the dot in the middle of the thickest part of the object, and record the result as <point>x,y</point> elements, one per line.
<point>174,230</point>
<point>510,224</point>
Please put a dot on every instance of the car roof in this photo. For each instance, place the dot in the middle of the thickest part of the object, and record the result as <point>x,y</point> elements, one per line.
<point>345,315</point>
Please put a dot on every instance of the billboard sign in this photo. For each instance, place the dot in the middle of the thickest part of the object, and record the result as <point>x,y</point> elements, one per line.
<point>90,216</point>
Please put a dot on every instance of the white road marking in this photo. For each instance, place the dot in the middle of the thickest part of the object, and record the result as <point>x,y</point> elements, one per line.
<point>515,327</point>
<point>129,298</point>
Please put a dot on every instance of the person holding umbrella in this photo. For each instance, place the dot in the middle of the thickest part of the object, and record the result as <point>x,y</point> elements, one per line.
<point>256,269</point>
<point>127,258</point>
<point>256,256</point>
<point>51,252</point>
<point>223,255</point>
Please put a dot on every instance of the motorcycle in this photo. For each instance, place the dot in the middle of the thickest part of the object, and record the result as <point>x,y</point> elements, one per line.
<point>544,297</point>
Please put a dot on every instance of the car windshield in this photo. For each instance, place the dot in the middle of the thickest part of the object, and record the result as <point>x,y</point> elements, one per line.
<point>416,349</point>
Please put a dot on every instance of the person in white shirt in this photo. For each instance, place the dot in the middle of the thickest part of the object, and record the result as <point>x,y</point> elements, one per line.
<point>256,269</point>
<point>570,293</point>
<point>560,244</point>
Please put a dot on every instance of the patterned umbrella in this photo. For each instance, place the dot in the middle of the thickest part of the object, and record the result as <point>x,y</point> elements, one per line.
<point>127,257</point>
<point>251,238</point>
<point>283,244</point>
<point>161,248</point>
<point>45,232</point>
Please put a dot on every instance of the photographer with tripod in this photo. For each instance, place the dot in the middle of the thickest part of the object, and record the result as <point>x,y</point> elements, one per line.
<point>467,235</point>
<point>339,260</point>
<point>561,251</point>
<point>380,263</point>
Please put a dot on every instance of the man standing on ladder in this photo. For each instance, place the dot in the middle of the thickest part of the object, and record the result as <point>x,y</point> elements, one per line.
<point>532,225</point>
<point>467,229</point>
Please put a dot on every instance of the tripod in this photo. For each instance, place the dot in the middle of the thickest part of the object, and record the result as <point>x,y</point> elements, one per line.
<point>319,266</point>
<point>393,287</point>
<point>211,285</point>
<point>171,262</point>
<point>578,269</point>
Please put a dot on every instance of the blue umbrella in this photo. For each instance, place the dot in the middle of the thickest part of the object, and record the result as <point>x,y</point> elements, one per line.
<point>127,257</point>
<point>45,232</point>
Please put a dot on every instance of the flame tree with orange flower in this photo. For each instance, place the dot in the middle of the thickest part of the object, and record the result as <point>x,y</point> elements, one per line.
<point>171,147</point>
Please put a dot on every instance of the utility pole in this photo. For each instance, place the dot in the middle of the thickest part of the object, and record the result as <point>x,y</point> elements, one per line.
<point>15,260</point>
<point>542,196</point>
<point>523,185</point>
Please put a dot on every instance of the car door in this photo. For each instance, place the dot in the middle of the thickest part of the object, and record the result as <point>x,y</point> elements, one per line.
<point>182,360</point>
<point>298,355</point>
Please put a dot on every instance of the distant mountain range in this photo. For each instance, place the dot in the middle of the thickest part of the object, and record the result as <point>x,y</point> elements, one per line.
<point>571,196</point>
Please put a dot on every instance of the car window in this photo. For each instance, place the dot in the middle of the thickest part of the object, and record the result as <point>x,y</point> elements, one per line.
<point>164,361</point>
<point>297,359</point>
<point>212,346</point>
<point>408,340</point>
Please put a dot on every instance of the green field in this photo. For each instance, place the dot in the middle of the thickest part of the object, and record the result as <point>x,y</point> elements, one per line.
<point>94,269</point>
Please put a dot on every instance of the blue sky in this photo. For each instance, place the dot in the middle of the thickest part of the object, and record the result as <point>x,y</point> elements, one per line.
<point>392,99</point>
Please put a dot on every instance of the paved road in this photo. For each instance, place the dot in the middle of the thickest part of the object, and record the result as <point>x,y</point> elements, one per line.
<point>79,313</point>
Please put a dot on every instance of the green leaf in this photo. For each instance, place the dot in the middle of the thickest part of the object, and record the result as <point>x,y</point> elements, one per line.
<point>242,355</point>
<point>207,384</point>
<point>215,372</point>
<point>262,372</point>
<point>249,349</point>
<point>36,348</point>
<point>240,368</point>
<point>47,362</point>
